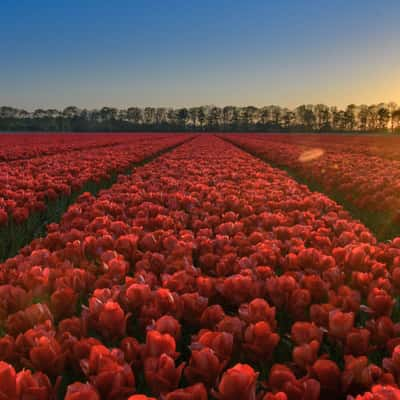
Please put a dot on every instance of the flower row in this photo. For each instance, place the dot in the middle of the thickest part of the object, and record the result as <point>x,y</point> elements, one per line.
<point>25,146</point>
<point>378,145</point>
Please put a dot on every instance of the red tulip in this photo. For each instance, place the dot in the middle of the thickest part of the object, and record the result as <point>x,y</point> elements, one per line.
<point>299,303</point>
<point>136,295</point>
<point>380,392</point>
<point>75,326</point>
<point>193,307</point>
<point>305,332</point>
<point>306,354</point>
<point>195,392</point>
<point>63,303</point>
<point>232,325</point>
<point>167,302</point>
<point>359,373</point>
<point>117,268</point>
<point>317,288</point>
<point>82,348</point>
<point>258,310</point>
<point>260,341</point>
<point>112,320</point>
<point>34,386</point>
<point>340,324</point>
<point>7,349</point>
<point>206,285</point>
<point>380,302</point>
<point>168,324</point>
<point>220,342</point>
<point>81,391</point>
<point>132,350</point>
<point>21,321</point>
<point>211,316</point>
<point>8,385</point>
<point>108,372</point>
<point>238,383</point>
<point>275,396</point>
<point>47,356</point>
<point>393,364</point>
<point>239,288</point>
<point>158,343</point>
<point>127,245</point>
<point>382,329</point>
<point>319,314</point>
<point>279,376</point>
<point>280,289</point>
<point>161,374</point>
<point>14,299</point>
<point>328,374</point>
<point>282,379</point>
<point>204,366</point>
<point>357,342</point>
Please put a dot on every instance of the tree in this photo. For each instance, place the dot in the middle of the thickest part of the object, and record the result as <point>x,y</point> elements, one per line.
<point>8,112</point>
<point>228,114</point>
<point>134,115</point>
<point>214,118</point>
<point>322,117</point>
<point>372,119</point>
<point>248,117</point>
<point>306,116</point>
<point>172,118</point>
<point>149,116</point>
<point>193,117</point>
<point>350,117</point>
<point>160,116</point>
<point>392,106</point>
<point>264,116</point>
<point>363,117</point>
<point>383,117</point>
<point>39,113</point>
<point>275,113</point>
<point>201,116</point>
<point>288,119</point>
<point>338,119</point>
<point>70,112</point>
<point>396,119</point>
<point>108,116</point>
<point>182,116</point>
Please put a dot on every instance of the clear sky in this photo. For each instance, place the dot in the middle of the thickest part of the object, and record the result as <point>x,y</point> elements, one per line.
<point>120,53</point>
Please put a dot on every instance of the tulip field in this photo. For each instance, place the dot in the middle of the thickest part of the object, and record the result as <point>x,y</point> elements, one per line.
<point>180,267</point>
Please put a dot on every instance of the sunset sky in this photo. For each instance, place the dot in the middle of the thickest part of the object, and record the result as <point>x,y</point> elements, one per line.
<point>182,53</point>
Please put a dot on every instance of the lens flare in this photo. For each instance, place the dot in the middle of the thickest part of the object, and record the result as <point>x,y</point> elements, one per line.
<point>311,155</point>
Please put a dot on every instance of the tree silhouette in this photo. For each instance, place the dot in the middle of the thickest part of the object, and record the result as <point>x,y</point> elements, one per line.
<point>304,118</point>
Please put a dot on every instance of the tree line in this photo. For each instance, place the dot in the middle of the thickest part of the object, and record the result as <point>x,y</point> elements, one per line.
<point>304,118</point>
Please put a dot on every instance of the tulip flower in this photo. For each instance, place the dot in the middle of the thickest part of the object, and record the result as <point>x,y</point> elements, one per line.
<point>238,382</point>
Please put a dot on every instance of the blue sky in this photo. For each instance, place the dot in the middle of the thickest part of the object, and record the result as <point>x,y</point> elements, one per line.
<point>183,53</point>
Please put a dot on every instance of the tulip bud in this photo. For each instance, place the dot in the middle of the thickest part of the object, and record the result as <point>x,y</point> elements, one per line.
<point>238,382</point>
